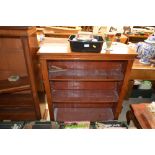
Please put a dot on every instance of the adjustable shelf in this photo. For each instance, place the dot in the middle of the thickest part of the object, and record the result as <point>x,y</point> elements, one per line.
<point>85,75</point>
<point>19,99</point>
<point>95,96</point>
<point>14,86</point>
<point>17,106</point>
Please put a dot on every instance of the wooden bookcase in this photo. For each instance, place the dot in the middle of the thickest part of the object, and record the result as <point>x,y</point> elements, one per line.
<point>85,86</point>
<point>19,99</point>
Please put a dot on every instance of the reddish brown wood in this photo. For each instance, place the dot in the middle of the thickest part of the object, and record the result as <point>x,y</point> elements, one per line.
<point>84,105</point>
<point>15,86</point>
<point>17,31</point>
<point>141,116</point>
<point>44,70</point>
<point>130,116</point>
<point>10,51</point>
<point>86,74</point>
<point>85,86</point>
<point>17,107</point>
<point>135,38</point>
<point>75,64</point>
<point>33,47</point>
<point>89,96</point>
<point>18,116</point>
<point>142,71</point>
<point>18,100</point>
<point>83,114</point>
<point>30,69</point>
<point>124,89</point>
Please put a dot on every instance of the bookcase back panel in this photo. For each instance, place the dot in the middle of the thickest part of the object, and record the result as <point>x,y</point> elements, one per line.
<point>87,70</point>
<point>86,64</point>
<point>76,85</point>
<point>84,105</point>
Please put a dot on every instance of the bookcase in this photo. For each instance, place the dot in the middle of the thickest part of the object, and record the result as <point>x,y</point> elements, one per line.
<point>18,99</point>
<point>85,86</point>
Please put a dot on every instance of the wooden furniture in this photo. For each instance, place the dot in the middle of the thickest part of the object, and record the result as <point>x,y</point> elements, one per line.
<point>134,38</point>
<point>87,28</point>
<point>123,39</point>
<point>19,99</point>
<point>141,116</point>
<point>59,32</point>
<point>140,72</point>
<point>84,86</point>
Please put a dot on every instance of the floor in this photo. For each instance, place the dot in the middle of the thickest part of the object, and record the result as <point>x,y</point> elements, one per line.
<point>126,107</point>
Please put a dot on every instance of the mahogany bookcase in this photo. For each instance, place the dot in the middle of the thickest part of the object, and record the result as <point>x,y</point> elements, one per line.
<point>84,86</point>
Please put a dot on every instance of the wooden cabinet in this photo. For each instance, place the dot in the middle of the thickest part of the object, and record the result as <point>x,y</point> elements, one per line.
<point>135,38</point>
<point>85,86</point>
<point>18,99</point>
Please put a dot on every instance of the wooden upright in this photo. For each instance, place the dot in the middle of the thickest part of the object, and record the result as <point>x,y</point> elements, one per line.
<point>84,86</point>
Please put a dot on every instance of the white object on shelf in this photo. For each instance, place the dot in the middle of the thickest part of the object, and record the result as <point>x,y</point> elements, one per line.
<point>145,85</point>
<point>13,78</point>
<point>137,82</point>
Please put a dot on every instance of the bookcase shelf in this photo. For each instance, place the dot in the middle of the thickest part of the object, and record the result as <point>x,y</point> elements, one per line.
<point>18,100</point>
<point>15,86</point>
<point>86,75</point>
<point>95,96</point>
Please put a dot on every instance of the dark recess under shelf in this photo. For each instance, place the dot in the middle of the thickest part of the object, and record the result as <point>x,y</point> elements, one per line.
<point>83,114</point>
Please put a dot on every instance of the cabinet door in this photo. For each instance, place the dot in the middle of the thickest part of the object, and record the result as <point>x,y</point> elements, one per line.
<point>11,58</point>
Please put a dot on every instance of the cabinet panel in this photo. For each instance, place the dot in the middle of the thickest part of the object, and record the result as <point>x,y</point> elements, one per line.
<point>3,61</point>
<point>14,86</point>
<point>12,58</point>
<point>11,44</point>
<point>18,100</point>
